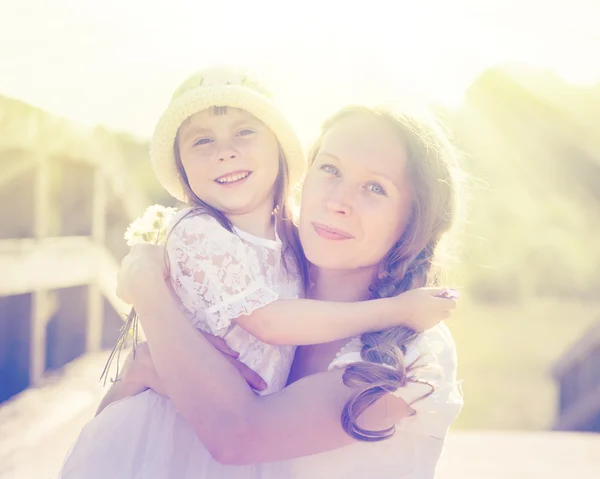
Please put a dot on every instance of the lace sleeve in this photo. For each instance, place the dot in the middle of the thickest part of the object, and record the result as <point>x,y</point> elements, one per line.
<point>214,273</point>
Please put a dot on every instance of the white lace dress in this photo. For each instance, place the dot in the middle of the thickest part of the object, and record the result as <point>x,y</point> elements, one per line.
<point>217,275</point>
<point>414,450</point>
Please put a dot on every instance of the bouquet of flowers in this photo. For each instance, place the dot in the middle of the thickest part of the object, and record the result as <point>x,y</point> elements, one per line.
<point>152,228</point>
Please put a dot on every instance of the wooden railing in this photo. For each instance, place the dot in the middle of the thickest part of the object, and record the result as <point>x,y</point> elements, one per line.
<point>32,144</point>
<point>41,266</point>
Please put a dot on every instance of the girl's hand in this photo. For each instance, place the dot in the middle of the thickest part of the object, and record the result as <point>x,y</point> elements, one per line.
<point>252,378</point>
<point>139,372</point>
<point>424,308</point>
<point>143,263</point>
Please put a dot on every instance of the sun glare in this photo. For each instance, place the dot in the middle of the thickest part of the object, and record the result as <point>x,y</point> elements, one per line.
<point>99,63</point>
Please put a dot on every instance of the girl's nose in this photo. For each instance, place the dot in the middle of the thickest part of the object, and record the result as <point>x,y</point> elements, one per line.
<point>227,153</point>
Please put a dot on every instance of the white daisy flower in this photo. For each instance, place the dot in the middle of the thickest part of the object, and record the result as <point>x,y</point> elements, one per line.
<point>151,227</point>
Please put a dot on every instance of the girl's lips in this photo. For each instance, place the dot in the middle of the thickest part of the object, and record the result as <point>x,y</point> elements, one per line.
<point>235,182</point>
<point>331,233</point>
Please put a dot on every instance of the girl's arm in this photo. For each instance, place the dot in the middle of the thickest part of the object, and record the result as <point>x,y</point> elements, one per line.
<point>304,321</point>
<point>211,269</point>
<point>236,425</point>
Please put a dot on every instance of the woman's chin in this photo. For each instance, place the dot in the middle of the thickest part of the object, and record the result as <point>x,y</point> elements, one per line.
<point>327,259</point>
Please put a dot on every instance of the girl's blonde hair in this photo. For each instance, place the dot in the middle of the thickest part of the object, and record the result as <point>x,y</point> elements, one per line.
<point>433,170</point>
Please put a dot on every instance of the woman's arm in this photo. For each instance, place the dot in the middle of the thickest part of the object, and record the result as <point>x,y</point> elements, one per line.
<point>139,373</point>
<point>236,425</point>
<point>119,390</point>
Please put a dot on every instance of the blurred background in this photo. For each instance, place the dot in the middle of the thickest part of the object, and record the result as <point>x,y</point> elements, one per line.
<point>517,82</point>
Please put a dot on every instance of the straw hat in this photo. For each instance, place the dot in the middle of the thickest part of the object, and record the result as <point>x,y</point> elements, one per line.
<point>219,87</point>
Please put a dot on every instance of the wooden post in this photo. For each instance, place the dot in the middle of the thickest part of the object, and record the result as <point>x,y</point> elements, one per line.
<point>95,304</point>
<point>41,301</point>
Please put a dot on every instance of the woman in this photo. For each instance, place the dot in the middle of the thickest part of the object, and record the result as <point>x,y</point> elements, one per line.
<point>377,200</point>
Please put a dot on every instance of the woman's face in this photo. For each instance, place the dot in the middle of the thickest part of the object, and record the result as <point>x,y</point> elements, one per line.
<point>356,198</point>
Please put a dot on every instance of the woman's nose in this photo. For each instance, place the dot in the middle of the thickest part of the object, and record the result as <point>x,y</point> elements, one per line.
<point>339,202</point>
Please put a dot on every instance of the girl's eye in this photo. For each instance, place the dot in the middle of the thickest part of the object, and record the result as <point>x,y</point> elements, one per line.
<point>203,141</point>
<point>376,188</point>
<point>332,170</point>
<point>246,132</point>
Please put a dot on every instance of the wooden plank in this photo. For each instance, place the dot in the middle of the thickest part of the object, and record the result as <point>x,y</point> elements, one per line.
<point>95,303</point>
<point>107,280</point>
<point>133,200</point>
<point>42,199</point>
<point>94,319</point>
<point>14,170</point>
<point>40,314</point>
<point>42,205</point>
<point>30,265</point>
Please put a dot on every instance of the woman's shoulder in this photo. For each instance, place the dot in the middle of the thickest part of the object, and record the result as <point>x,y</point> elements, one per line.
<point>432,347</point>
<point>433,390</point>
<point>435,346</point>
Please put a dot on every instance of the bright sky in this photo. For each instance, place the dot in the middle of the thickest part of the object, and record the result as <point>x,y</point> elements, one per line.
<point>116,62</point>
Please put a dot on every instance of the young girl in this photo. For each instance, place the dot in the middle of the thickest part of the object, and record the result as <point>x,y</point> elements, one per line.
<point>236,266</point>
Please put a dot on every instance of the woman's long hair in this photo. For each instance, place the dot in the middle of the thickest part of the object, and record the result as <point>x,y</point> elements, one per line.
<point>432,170</point>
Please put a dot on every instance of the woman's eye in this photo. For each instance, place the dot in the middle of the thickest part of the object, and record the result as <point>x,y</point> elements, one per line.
<point>332,170</point>
<point>376,188</point>
<point>203,141</point>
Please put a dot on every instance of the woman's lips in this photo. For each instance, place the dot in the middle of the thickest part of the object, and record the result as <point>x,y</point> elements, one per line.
<point>331,233</point>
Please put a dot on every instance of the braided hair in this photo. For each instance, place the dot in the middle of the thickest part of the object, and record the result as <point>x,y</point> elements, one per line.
<point>432,170</point>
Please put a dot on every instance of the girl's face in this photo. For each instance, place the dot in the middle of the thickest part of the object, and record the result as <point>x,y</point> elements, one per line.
<point>231,159</point>
<point>356,199</point>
